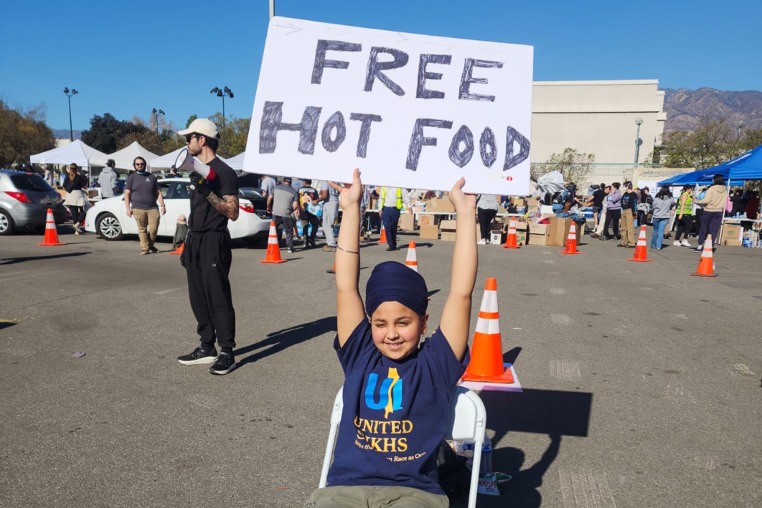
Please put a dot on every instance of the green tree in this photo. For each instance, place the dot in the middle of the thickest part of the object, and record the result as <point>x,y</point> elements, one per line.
<point>573,165</point>
<point>712,143</point>
<point>22,134</point>
<point>106,133</point>
<point>233,134</point>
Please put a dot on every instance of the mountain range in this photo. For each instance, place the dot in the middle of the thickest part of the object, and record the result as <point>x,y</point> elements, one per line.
<point>685,108</point>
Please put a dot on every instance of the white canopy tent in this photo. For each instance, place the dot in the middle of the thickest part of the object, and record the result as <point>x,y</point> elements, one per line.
<point>124,157</point>
<point>75,152</point>
<point>166,161</point>
<point>236,162</point>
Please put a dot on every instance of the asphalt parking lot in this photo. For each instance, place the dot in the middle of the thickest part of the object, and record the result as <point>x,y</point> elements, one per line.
<point>643,384</point>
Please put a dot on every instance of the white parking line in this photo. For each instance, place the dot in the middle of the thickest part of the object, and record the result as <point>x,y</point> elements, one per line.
<point>564,369</point>
<point>585,489</point>
<point>166,291</point>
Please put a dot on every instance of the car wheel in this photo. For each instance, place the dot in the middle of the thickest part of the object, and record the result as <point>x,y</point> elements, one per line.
<point>108,227</point>
<point>6,223</point>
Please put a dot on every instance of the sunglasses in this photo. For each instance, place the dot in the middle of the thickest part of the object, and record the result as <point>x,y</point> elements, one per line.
<point>188,137</point>
<point>140,164</point>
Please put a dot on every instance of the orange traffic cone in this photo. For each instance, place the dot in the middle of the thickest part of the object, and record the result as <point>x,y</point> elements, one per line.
<point>332,270</point>
<point>706,263</point>
<point>571,241</point>
<point>412,260</point>
<point>486,351</point>
<point>510,240</point>
<point>51,233</point>
<point>178,250</point>
<point>383,235</point>
<point>273,249</point>
<point>641,254</point>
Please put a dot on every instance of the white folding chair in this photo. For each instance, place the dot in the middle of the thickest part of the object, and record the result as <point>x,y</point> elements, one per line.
<point>469,421</point>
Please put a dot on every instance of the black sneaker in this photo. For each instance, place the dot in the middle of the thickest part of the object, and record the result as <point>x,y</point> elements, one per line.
<point>198,357</point>
<point>224,364</point>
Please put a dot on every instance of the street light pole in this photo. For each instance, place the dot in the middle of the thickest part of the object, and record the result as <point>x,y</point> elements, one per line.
<point>69,93</point>
<point>272,8</point>
<point>156,113</point>
<point>638,122</point>
<point>224,92</point>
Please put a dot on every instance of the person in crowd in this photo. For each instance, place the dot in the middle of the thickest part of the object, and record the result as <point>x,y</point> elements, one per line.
<point>391,201</point>
<point>751,209</point>
<point>684,217</point>
<point>207,255</point>
<point>598,231</point>
<point>173,172</point>
<point>663,203</point>
<point>108,180</point>
<point>596,201</point>
<point>141,192</point>
<point>736,198</point>
<point>570,197</point>
<point>613,213</point>
<point>283,204</point>
<point>49,178</point>
<point>628,216</point>
<point>267,185</point>
<point>713,204</point>
<point>307,199</point>
<point>486,209</point>
<point>329,197</point>
<point>75,183</point>
<point>380,350</point>
<point>645,203</point>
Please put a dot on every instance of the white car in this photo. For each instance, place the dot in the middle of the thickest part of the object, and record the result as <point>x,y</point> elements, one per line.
<point>108,219</point>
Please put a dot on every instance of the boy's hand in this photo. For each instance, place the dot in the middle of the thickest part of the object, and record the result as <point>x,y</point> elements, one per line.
<point>351,194</point>
<point>461,201</point>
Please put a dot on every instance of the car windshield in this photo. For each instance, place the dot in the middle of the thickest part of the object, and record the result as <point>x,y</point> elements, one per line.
<point>250,193</point>
<point>30,182</point>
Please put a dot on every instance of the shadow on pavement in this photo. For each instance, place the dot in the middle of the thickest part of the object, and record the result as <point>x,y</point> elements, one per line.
<point>10,261</point>
<point>280,340</point>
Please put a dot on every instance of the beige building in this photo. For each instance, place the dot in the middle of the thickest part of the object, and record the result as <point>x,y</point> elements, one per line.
<point>603,118</point>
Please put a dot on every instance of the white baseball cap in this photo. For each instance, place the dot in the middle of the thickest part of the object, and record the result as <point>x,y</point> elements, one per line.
<point>201,126</point>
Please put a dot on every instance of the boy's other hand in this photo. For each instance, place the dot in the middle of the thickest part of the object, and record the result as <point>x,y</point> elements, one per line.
<point>461,201</point>
<point>352,194</point>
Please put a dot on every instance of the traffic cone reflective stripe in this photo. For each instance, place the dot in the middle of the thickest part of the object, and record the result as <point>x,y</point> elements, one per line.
<point>412,260</point>
<point>179,250</point>
<point>273,249</point>
<point>706,263</point>
<point>641,253</point>
<point>487,350</point>
<point>51,233</point>
<point>571,241</point>
<point>383,235</point>
<point>510,240</point>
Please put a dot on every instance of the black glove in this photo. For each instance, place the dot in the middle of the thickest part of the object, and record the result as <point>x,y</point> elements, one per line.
<point>199,184</point>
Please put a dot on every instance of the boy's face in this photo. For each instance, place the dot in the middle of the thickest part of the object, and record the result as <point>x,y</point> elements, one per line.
<point>396,330</point>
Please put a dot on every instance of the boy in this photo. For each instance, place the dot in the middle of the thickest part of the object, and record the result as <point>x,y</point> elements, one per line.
<point>397,392</point>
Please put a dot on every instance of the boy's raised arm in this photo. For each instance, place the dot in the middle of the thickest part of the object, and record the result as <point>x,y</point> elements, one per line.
<point>350,309</point>
<point>457,310</point>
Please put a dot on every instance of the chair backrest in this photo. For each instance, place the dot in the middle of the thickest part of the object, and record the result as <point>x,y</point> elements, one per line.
<point>469,422</point>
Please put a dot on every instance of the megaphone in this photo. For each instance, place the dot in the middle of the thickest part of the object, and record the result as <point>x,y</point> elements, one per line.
<point>186,162</point>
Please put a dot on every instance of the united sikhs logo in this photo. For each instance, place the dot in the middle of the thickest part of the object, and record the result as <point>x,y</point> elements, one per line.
<point>389,396</point>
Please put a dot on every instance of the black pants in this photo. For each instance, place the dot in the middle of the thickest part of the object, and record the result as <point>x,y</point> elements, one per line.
<point>313,221</point>
<point>710,223</point>
<point>684,227</point>
<point>391,217</point>
<point>77,213</point>
<point>287,225</point>
<point>207,259</point>
<point>485,216</point>
<point>612,219</point>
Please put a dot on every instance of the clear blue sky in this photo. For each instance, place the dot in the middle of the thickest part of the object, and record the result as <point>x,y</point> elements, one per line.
<point>126,57</point>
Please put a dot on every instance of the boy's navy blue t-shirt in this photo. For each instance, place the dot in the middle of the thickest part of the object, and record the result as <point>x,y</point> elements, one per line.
<point>395,415</point>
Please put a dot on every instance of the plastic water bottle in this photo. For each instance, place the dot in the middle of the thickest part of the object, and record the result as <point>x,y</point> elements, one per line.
<point>486,465</point>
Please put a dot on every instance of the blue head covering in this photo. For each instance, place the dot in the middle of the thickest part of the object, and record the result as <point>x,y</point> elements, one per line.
<point>394,282</point>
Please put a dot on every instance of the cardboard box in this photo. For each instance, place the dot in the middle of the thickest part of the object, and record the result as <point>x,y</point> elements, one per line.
<point>559,231</point>
<point>447,225</point>
<point>521,237</point>
<point>538,229</point>
<point>429,232</point>
<point>496,237</point>
<point>447,236</point>
<point>440,205</point>
<point>428,220</point>
<point>407,222</point>
<point>731,235</point>
<point>536,239</point>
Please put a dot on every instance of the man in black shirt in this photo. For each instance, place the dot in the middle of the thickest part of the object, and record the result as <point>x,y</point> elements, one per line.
<point>207,255</point>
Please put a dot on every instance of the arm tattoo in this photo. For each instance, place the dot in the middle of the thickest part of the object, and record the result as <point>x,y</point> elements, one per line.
<point>227,205</point>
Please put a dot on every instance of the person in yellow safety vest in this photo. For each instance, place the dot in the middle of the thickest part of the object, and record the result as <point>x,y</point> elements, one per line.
<point>391,201</point>
<point>684,216</point>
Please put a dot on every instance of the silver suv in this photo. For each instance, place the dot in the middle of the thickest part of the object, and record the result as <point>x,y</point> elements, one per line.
<point>24,201</point>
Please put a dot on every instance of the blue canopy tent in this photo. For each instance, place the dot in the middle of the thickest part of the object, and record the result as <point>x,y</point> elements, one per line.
<point>747,166</point>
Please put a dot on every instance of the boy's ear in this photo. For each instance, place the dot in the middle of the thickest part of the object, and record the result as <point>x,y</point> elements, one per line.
<point>425,322</point>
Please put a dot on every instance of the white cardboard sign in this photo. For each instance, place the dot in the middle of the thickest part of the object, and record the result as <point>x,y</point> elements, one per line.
<point>412,111</point>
